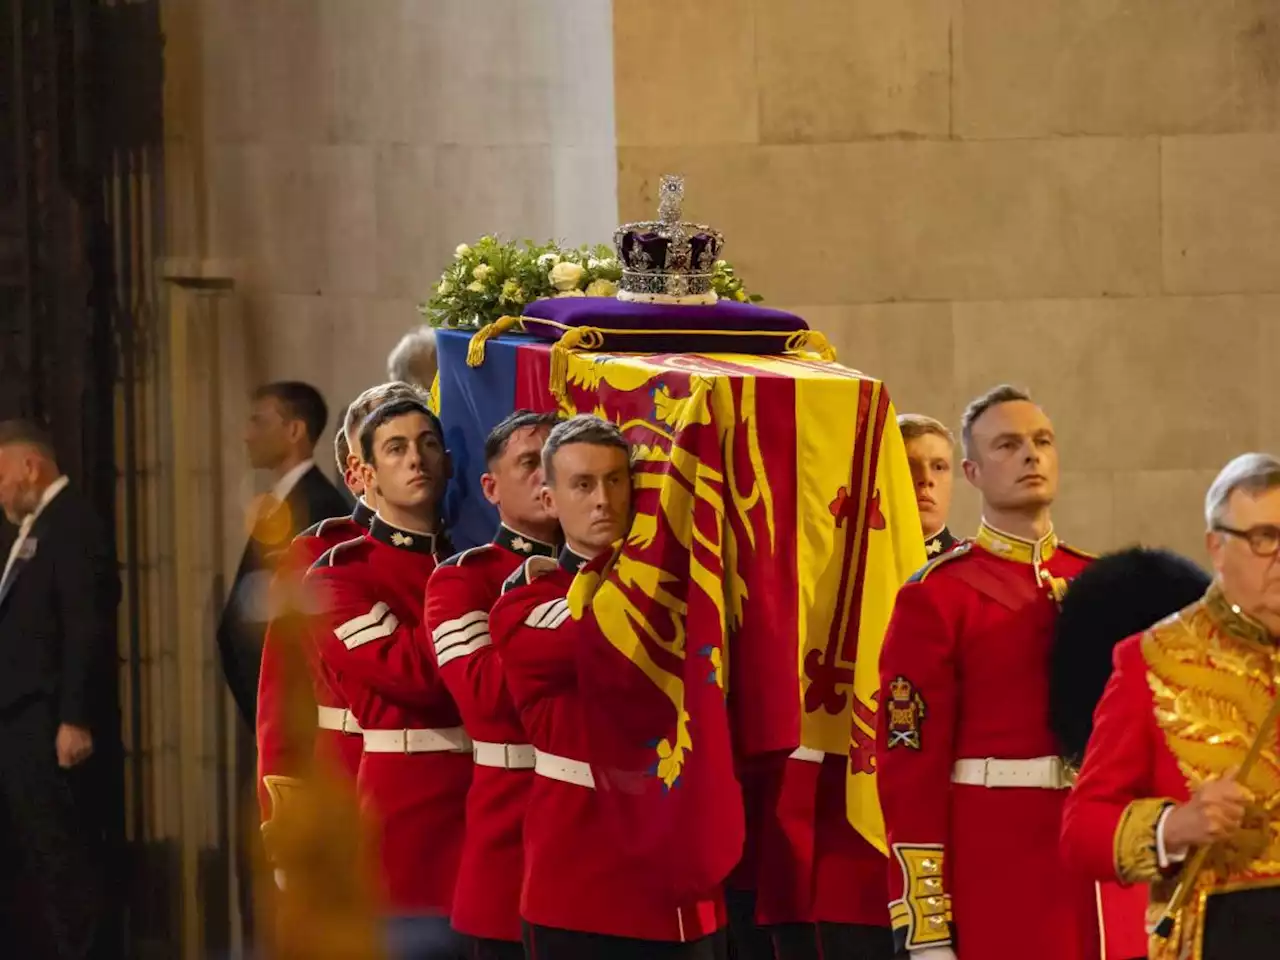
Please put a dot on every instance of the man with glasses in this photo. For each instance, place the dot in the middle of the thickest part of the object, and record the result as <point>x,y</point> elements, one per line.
<point>1188,698</point>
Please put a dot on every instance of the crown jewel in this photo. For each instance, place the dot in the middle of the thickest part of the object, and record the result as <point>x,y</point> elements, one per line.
<point>668,260</point>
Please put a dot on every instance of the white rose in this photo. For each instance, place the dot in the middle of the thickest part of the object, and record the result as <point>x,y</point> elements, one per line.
<point>482,272</point>
<point>602,288</point>
<point>462,250</point>
<point>566,276</point>
<point>475,286</point>
<point>595,264</point>
<point>548,260</point>
<point>445,287</point>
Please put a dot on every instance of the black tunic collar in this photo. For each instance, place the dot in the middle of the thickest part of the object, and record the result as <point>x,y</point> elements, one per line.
<point>939,543</point>
<point>363,514</point>
<point>571,561</point>
<point>410,540</point>
<point>521,545</point>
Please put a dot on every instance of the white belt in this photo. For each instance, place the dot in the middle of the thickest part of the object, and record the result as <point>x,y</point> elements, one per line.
<point>808,755</point>
<point>336,718</point>
<point>504,756</point>
<point>449,740</point>
<point>1043,773</point>
<point>563,769</point>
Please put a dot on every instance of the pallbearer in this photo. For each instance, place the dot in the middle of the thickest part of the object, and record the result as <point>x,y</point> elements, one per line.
<point>579,899</point>
<point>417,759</point>
<point>931,454</point>
<point>337,741</point>
<point>486,903</point>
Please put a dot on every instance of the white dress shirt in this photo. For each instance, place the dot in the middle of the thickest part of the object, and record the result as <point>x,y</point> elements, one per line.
<point>284,486</point>
<point>24,529</point>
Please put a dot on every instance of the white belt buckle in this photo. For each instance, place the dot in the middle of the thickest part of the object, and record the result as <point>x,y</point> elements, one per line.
<point>346,722</point>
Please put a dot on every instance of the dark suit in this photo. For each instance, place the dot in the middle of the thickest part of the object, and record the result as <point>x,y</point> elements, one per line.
<point>57,666</point>
<point>244,619</point>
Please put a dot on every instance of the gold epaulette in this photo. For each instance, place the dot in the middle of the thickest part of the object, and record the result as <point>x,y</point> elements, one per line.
<point>922,918</point>
<point>959,550</point>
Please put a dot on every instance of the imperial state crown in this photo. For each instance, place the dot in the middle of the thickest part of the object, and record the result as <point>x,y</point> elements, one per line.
<point>668,260</point>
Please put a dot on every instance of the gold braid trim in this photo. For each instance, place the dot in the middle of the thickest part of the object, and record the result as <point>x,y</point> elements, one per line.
<point>922,918</point>
<point>475,349</point>
<point>1135,840</point>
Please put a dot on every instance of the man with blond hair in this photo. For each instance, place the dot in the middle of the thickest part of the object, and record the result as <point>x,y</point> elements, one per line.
<point>931,454</point>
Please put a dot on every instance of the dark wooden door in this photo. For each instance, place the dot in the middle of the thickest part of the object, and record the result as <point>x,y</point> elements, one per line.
<point>81,137</point>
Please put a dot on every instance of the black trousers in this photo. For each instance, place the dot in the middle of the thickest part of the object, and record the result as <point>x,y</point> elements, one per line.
<point>480,948</point>
<point>831,941</point>
<point>549,943</point>
<point>1244,925</point>
<point>52,837</point>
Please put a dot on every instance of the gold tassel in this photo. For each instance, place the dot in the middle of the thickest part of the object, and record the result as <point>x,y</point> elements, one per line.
<point>579,338</point>
<point>475,349</point>
<point>811,341</point>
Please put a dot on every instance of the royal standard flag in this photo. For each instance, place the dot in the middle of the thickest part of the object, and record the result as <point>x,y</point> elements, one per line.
<point>744,613</point>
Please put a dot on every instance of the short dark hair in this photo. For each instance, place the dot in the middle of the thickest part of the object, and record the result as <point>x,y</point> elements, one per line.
<point>495,445</point>
<point>341,450</point>
<point>1005,393</point>
<point>584,428</point>
<point>301,401</point>
<point>27,433</point>
<point>388,412</point>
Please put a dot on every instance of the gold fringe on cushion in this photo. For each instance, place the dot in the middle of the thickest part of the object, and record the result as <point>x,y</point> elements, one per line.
<point>811,341</point>
<point>475,349</point>
<point>576,338</point>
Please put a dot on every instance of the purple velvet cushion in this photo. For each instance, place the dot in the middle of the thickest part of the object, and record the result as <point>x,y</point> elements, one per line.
<point>644,327</point>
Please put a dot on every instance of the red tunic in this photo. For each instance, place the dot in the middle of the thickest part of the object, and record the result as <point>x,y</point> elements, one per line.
<point>1166,694</point>
<point>462,591</point>
<point>279,753</point>
<point>574,878</point>
<point>965,675</point>
<point>377,653</point>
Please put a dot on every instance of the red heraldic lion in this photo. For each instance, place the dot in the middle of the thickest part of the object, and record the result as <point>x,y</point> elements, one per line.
<point>416,766</point>
<point>970,777</point>
<point>461,593</point>
<point>575,875</point>
<point>281,753</point>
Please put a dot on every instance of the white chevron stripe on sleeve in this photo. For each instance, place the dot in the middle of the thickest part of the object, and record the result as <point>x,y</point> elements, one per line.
<point>452,630</point>
<point>549,615</point>
<point>356,624</point>
<point>460,637</point>
<point>385,628</point>
<point>463,649</point>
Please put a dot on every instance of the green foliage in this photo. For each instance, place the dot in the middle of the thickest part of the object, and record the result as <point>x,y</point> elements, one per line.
<point>492,278</point>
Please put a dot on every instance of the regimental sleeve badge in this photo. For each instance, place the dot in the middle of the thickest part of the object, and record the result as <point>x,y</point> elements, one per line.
<point>905,714</point>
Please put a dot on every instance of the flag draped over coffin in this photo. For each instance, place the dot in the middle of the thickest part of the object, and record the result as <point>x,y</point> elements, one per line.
<point>774,521</point>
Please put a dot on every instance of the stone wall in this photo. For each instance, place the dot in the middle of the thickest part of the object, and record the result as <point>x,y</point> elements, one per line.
<point>1079,197</point>
<point>349,145</point>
